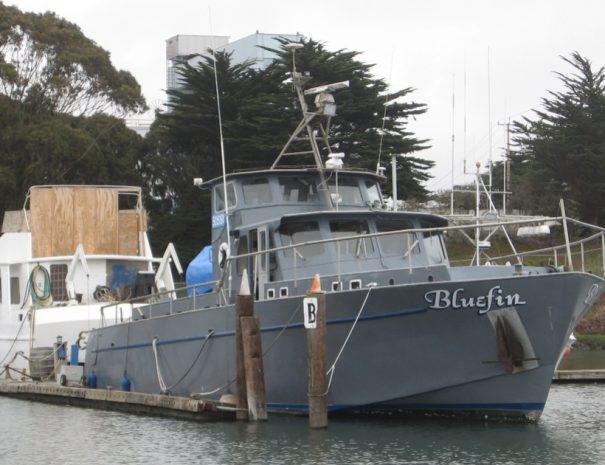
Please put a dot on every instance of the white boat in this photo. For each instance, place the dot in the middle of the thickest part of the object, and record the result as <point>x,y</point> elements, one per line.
<point>68,253</point>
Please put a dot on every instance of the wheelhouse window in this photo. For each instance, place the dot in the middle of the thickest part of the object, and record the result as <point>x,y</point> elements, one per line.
<point>402,243</point>
<point>433,241</point>
<point>256,191</point>
<point>297,233</point>
<point>298,189</point>
<point>373,192</point>
<point>361,246</point>
<point>242,248</point>
<point>219,197</point>
<point>347,192</point>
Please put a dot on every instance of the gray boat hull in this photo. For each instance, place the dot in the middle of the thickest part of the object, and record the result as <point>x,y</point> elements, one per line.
<point>479,347</point>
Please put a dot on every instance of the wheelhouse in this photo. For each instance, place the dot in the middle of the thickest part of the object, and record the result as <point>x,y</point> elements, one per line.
<point>281,229</point>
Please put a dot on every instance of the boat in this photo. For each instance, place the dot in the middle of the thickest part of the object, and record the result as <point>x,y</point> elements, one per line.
<point>70,252</point>
<point>407,332</point>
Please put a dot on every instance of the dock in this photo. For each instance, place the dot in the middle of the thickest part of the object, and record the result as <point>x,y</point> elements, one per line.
<point>579,376</point>
<point>110,399</point>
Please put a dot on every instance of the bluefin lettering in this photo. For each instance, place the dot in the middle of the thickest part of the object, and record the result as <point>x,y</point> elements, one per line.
<point>441,299</point>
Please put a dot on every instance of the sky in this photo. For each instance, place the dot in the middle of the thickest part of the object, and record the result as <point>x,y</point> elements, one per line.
<point>477,64</point>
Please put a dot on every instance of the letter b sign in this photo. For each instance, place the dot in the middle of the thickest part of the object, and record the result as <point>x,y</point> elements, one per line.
<point>310,312</point>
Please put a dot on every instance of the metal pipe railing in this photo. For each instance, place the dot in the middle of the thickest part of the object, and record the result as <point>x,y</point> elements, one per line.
<point>151,299</point>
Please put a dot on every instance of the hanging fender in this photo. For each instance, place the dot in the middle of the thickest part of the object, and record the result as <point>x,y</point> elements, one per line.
<point>223,255</point>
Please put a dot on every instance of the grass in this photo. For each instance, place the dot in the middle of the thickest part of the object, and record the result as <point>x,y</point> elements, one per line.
<point>591,341</point>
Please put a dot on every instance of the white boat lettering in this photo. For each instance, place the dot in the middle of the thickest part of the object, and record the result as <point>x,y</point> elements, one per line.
<point>441,299</point>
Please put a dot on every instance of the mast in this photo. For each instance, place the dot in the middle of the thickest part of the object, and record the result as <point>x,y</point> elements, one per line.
<point>324,101</point>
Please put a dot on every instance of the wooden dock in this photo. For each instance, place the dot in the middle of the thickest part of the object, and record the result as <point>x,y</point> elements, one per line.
<point>579,376</point>
<point>110,399</point>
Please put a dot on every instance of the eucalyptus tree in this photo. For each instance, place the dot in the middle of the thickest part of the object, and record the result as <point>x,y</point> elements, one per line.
<point>49,65</point>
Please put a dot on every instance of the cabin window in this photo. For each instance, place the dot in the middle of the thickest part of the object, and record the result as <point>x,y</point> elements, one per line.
<point>433,241</point>
<point>296,233</point>
<point>219,197</point>
<point>15,291</point>
<point>397,244</point>
<point>58,290</point>
<point>298,190</point>
<point>256,191</point>
<point>242,248</point>
<point>347,193</point>
<point>373,193</point>
<point>359,247</point>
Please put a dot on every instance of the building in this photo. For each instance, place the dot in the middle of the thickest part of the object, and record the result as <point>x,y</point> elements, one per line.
<point>248,48</point>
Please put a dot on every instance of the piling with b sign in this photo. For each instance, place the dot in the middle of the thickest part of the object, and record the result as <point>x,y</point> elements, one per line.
<point>314,308</point>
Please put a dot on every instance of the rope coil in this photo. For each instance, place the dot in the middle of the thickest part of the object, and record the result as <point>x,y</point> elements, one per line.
<point>40,289</point>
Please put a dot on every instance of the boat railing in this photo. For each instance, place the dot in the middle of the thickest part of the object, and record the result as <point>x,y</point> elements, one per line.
<point>217,296</point>
<point>163,298</point>
<point>492,226</point>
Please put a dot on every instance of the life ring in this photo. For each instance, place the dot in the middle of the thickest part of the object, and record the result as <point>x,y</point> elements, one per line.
<point>223,255</point>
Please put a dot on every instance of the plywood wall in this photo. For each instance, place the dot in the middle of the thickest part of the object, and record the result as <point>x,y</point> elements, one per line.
<point>63,217</point>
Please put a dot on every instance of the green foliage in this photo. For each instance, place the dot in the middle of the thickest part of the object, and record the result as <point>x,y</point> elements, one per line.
<point>561,153</point>
<point>259,111</point>
<point>48,65</point>
<point>62,149</point>
<point>49,72</point>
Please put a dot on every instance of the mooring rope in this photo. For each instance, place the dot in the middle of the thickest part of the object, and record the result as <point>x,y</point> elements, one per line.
<point>265,352</point>
<point>166,389</point>
<point>16,338</point>
<point>157,366</point>
<point>331,370</point>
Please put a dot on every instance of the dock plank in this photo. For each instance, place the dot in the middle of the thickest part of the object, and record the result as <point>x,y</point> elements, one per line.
<point>110,399</point>
<point>579,376</point>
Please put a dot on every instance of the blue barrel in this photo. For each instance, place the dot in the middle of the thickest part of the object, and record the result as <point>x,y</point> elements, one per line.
<point>73,355</point>
<point>92,380</point>
<point>125,384</point>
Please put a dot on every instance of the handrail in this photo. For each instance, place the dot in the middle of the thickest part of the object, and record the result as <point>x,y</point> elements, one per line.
<point>497,224</point>
<point>391,233</point>
<point>146,299</point>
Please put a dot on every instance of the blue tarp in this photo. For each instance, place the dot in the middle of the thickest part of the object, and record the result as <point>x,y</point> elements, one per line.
<point>200,271</point>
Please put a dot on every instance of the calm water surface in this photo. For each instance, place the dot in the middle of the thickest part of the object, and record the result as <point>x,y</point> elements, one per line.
<point>570,432</point>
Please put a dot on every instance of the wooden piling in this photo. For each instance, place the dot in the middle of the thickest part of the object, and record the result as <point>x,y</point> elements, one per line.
<point>253,361</point>
<point>316,356</point>
<point>244,307</point>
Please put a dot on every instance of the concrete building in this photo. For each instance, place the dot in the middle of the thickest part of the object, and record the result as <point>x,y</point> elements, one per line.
<point>244,49</point>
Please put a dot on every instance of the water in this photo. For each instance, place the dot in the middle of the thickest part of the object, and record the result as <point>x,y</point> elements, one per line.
<point>570,432</point>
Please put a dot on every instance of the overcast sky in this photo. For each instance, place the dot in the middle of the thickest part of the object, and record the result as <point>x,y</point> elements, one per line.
<point>430,45</point>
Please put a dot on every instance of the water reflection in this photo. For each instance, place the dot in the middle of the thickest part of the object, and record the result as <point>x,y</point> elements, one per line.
<point>569,432</point>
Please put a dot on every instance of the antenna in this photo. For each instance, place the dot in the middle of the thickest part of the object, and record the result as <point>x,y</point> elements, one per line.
<point>453,127</point>
<point>464,126</point>
<point>384,117</point>
<point>489,120</point>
